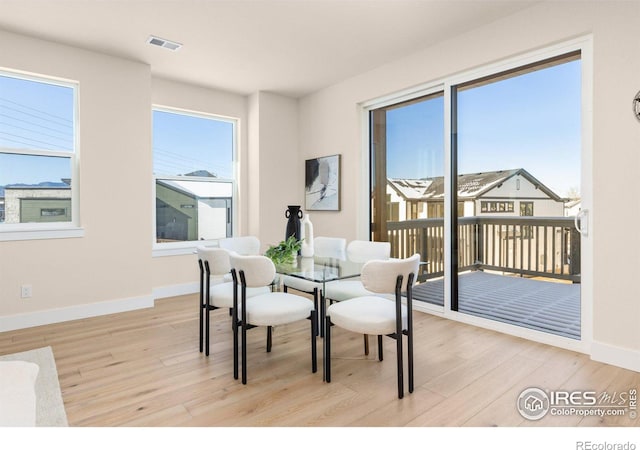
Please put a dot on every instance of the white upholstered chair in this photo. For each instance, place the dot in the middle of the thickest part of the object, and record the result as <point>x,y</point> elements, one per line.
<point>324,247</point>
<point>268,310</point>
<point>357,251</point>
<point>215,291</point>
<point>243,245</point>
<point>373,314</point>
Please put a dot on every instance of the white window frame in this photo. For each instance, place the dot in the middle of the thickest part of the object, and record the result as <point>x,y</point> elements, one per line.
<point>49,230</point>
<point>189,247</point>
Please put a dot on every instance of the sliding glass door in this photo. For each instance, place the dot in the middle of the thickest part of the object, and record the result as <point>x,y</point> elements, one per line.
<point>516,179</point>
<point>483,177</point>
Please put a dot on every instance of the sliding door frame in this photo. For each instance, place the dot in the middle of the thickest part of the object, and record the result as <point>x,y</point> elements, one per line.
<point>448,85</point>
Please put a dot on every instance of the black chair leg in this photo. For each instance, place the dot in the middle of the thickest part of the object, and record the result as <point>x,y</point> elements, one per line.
<point>206,328</point>
<point>410,356</point>
<point>366,344</point>
<point>244,353</point>
<point>234,327</point>
<point>201,305</point>
<point>269,338</point>
<point>201,324</point>
<point>314,333</point>
<point>379,347</point>
<point>327,349</point>
<point>400,366</point>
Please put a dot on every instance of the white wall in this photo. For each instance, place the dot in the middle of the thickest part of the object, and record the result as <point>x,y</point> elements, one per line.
<point>111,268</point>
<point>111,262</point>
<point>276,169</point>
<point>330,123</point>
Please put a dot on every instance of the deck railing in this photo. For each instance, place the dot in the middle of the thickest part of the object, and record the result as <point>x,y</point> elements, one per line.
<point>533,246</point>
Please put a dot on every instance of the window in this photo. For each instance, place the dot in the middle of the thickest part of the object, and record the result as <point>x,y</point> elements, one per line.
<point>194,178</point>
<point>492,207</point>
<point>53,211</point>
<point>526,208</point>
<point>37,155</point>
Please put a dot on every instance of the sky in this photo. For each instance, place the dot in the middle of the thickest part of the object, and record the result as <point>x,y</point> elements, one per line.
<point>35,115</point>
<point>531,121</point>
<point>185,143</point>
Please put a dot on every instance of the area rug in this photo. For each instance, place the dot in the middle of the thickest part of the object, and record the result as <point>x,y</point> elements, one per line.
<point>49,405</point>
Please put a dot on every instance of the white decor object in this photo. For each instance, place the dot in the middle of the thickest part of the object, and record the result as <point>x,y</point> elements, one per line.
<point>306,234</point>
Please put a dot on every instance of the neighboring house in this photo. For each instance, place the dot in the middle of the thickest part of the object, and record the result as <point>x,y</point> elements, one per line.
<point>512,192</point>
<point>572,207</point>
<point>489,196</point>
<point>44,202</point>
<point>192,210</point>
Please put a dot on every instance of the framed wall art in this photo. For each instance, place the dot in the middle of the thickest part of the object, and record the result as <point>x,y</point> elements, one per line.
<point>322,183</point>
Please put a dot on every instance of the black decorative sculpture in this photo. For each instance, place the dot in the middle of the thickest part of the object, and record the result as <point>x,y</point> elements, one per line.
<point>294,214</point>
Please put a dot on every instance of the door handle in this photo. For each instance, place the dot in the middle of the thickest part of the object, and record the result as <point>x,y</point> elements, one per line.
<point>581,222</point>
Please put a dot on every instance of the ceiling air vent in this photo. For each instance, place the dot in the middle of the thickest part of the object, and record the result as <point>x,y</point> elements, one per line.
<point>164,43</point>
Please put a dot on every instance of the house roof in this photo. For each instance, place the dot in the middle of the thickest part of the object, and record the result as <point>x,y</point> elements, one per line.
<point>197,189</point>
<point>470,186</point>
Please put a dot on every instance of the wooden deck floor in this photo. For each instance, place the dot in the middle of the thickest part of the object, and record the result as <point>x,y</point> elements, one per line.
<point>143,368</point>
<point>540,305</point>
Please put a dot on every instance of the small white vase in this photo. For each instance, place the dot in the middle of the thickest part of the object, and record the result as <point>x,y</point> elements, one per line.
<point>306,234</point>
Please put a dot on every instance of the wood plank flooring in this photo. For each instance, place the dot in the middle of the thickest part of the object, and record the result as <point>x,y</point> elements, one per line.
<point>143,368</point>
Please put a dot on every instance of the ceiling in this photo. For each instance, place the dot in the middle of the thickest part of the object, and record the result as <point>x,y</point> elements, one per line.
<point>291,47</point>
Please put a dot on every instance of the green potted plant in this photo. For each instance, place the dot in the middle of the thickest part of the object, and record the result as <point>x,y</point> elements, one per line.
<point>285,252</point>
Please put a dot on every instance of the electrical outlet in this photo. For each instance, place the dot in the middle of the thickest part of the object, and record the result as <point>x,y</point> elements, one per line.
<point>26,291</point>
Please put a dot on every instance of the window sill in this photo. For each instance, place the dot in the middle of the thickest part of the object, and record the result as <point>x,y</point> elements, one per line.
<point>184,249</point>
<point>35,234</point>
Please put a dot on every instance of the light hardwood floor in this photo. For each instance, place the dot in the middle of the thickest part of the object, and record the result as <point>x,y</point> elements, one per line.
<point>143,368</point>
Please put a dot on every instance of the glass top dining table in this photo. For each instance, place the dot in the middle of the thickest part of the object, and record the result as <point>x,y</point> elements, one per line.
<point>321,269</point>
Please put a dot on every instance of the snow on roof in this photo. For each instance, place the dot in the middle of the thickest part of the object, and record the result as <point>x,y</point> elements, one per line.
<point>470,185</point>
<point>413,189</point>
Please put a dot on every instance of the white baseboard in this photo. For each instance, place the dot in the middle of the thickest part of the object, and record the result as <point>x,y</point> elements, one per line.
<point>176,290</point>
<point>47,317</point>
<point>616,356</point>
<point>50,316</point>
